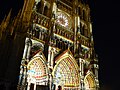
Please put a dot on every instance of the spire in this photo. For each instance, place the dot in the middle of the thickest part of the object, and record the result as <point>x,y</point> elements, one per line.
<point>5,23</point>
<point>16,22</point>
<point>17,18</point>
<point>6,20</point>
<point>8,17</point>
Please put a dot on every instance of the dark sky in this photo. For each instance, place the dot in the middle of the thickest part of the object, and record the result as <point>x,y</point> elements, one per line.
<point>106,23</point>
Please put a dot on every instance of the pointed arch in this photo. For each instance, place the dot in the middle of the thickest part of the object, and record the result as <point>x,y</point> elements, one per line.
<point>89,81</point>
<point>40,6</point>
<point>66,71</point>
<point>37,69</point>
<point>46,10</point>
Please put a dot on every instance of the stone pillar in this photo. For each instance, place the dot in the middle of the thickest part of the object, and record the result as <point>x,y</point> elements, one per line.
<point>51,53</point>
<point>28,86</point>
<point>25,51</point>
<point>78,25</point>
<point>20,76</point>
<point>24,79</point>
<point>75,30</point>
<point>56,88</point>
<point>50,81</point>
<point>49,56</point>
<point>28,52</point>
<point>96,67</point>
<point>23,68</point>
<point>27,48</point>
<point>52,57</point>
<point>50,65</point>
<point>35,86</point>
<point>81,74</point>
<point>54,10</point>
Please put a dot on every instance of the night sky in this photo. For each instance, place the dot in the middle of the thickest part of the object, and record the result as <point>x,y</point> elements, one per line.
<point>106,25</point>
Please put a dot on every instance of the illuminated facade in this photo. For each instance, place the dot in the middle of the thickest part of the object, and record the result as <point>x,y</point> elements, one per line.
<point>58,46</point>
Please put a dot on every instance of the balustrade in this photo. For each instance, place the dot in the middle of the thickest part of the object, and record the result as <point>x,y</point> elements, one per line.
<point>38,33</point>
<point>40,19</point>
<point>84,40</point>
<point>60,30</point>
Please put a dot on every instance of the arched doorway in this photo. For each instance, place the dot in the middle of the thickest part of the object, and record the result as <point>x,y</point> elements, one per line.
<point>89,82</point>
<point>37,73</point>
<point>66,73</point>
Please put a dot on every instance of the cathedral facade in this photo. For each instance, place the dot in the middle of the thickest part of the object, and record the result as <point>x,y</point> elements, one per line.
<point>52,46</point>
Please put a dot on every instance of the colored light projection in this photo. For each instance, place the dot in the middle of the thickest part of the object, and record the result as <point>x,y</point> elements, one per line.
<point>63,19</point>
<point>66,72</point>
<point>37,70</point>
<point>89,82</point>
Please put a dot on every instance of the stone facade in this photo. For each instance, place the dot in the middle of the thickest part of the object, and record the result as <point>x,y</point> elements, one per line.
<point>49,46</point>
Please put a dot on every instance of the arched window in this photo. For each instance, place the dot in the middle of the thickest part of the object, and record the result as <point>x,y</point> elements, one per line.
<point>39,7</point>
<point>84,15</point>
<point>46,11</point>
<point>82,28</point>
<point>79,11</point>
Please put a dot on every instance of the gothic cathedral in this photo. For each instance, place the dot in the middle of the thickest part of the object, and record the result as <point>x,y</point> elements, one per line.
<point>49,46</point>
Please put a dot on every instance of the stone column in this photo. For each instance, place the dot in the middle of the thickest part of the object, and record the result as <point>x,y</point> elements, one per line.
<point>51,57</point>
<point>23,68</point>
<point>54,10</point>
<point>78,25</point>
<point>27,48</point>
<point>56,88</point>
<point>50,81</point>
<point>20,76</point>
<point>75,30</point>
<point>28,86</point>
<point>28,52</point>
<point>24,80</point>
<point>81,74</point>
<point>96,67</point>
<point>50,65</point>
<point>35,86</point>
<point>25,51</point>
<point>43,7</point>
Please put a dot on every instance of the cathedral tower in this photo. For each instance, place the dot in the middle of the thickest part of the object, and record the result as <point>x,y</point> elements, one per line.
<point>58,46</point>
